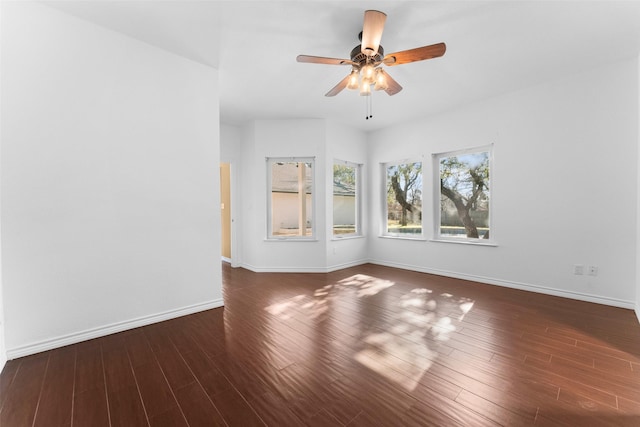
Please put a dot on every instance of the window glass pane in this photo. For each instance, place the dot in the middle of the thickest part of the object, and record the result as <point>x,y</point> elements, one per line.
<point>345,208</point>
<point>404,199</point>
<point>464,195</point>
<point>291,201</point>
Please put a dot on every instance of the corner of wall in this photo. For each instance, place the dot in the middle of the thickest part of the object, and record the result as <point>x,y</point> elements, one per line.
<point>3,350</point>
<point>637,276</point>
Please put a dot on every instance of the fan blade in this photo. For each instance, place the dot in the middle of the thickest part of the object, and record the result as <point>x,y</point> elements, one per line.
<point>393,86</point>
<point>323,60</point>
<point>338,88</point>
<point>417,54</point>
<point>372,31</point>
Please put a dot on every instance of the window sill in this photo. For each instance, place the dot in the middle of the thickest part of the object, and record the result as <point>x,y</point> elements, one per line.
<point>416,239</point>
<point>349,237</point>
<point>289,239</point>
<point>466,242</point>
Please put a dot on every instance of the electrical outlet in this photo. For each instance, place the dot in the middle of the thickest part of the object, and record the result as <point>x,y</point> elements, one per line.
<point>578,270</point>
<point>593,270</point>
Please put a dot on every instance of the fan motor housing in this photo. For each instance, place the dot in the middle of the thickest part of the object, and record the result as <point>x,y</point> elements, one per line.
<point>361,59</point>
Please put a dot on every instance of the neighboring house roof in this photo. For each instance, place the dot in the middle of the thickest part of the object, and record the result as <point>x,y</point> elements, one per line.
<point>343,189</point>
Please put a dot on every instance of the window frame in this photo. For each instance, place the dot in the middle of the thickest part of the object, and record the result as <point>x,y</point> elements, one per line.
<point>437,195</point>
<point>269,226</point>
<point>358,200</point>
<point>384,232</point>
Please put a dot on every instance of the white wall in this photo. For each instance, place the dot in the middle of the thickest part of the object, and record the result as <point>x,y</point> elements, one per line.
<point>230,143</point>
<point>325,141</point>
<point>110,181</point>
<point>637,289</point>
<point>564,186</point>
<point>280,138</point>
<point>3,351</point>
<point>344,143</point>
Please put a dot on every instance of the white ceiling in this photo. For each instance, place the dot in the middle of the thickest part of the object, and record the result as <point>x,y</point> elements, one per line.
<point>492,47</point>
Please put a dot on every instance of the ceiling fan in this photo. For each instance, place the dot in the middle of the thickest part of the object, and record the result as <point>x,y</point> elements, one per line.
<point>366,59</point>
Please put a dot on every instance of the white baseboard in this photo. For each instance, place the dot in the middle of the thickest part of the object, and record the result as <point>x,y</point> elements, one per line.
<point>328,269</point>
<point>487,280</point>
<point>113,328</point>
<point>515,285</point>
<point>256,269</point>
<point>337,267</point>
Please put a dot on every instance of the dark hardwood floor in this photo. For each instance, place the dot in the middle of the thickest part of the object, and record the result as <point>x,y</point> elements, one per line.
<point>364,346</point>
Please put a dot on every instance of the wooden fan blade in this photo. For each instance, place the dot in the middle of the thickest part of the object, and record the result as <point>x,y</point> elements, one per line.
<point>338,88</point>
<point>393,86</point>
<point>323,60</point>
<point>417,54</point>
<point>372,31</point>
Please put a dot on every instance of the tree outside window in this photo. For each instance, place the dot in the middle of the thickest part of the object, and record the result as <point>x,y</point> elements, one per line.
<point>404,199</point>
<point>464,194</point>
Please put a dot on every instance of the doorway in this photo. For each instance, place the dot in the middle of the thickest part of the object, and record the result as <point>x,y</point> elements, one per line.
<point>225,210</point>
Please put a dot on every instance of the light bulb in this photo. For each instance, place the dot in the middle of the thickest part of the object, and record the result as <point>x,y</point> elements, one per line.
<point>381,80</point>
<point>368,73</point>
<point>365,88</point>
<point>353,80</point>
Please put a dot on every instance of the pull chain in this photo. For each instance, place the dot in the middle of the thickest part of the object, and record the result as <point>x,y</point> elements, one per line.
<point>369,107</point>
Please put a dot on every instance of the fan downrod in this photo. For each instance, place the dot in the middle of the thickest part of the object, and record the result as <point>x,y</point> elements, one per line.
<point>362,59</point>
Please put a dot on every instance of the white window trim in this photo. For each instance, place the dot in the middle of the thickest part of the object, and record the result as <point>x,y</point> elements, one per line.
<point>359,190</point>
<point>491,241</point>
<point>269,162</point>
<point>385,214</point>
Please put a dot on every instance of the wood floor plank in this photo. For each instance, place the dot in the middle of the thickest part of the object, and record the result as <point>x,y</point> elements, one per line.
<point>207,373</point>
<point>197,407</point>
<point>170,418</point>
<point>497,413</point>
<point>174,368</point>
<point>126,409</point>
<point>20,405</point>
<point>89,373</point>
<point>90,408</point>
<point>323,419</point>
<point>117,367</point>
<point>6,379</point>
<point>138,348</point>
<point>154,389</point>
<point>366,345</point>
<point>56,397</point>
<point>235,410</point>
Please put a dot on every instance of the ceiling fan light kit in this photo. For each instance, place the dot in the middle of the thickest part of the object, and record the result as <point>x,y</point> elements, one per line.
<point>367,58</point>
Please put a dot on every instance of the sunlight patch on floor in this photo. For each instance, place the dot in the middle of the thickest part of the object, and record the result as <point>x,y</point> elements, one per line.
<point>366,285</point>
<point>408,348</point>
<point>400,348</point>
<point>318,304</point>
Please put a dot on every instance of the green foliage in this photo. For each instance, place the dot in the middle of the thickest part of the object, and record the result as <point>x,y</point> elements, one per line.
<point>466,174</point>
<point>344,174</point>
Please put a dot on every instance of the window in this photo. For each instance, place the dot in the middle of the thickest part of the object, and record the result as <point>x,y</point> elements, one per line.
<point>346,199</point>
<point>404,199</point>
<point>290,187</point>
<point>464,194</point>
